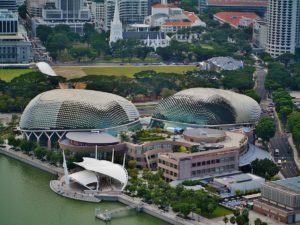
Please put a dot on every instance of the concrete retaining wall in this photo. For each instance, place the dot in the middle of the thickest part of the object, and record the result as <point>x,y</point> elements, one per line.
<point>26,159</point>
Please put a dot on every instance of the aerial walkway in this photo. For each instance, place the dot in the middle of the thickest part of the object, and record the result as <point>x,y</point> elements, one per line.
<point>107,214</point>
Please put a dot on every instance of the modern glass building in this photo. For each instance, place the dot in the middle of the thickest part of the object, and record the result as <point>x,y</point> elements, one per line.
<point>59,111</point>
<point>205,107</point>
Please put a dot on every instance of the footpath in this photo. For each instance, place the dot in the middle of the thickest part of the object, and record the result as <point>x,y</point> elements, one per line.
<point>45,166</point>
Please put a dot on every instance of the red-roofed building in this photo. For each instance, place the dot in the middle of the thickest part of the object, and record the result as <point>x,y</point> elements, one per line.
<point>170,18</point>
<point>236,19</point>
<point>240,5</point>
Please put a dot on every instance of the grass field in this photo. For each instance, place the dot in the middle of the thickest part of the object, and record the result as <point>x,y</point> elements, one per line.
<point>207,46</point>
<point>220,211</point>
<point>74,72</point>
<point>9,74</point>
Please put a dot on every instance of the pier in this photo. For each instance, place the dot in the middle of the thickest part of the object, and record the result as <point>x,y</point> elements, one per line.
<point>107,215</point>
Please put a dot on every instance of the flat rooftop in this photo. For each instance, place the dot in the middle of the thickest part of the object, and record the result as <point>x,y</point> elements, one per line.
<point>242,3</point>
<point>292,184</point>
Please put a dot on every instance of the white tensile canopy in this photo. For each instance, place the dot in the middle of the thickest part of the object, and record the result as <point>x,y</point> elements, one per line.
<point>84,178</point>
<point>106,168</point>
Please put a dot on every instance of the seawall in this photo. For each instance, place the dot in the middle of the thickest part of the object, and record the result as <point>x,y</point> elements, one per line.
<point>32,161</point>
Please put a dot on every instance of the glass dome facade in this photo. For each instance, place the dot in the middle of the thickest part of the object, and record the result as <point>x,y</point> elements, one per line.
<point>205,107</point>
<point>69,109</point>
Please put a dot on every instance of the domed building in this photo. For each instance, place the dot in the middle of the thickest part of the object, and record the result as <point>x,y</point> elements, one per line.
<point>206,107</point>
<point>55,112</point>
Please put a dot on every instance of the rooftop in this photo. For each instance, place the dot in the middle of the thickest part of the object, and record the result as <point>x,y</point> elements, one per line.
<point>143,35</point>
<point>204,132</point>
<point>239,178</point>
<point>163,6</point>
<point>233,18</point>
<point>292,184</point>
<point>226,63</point>
<point>245,3</point>
<point>92,138</point>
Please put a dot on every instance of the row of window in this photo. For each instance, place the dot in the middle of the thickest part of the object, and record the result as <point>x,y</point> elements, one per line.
<point>213,170</point>
<point>214,161</point>
<point>169,172</point>
<point>168,164</point>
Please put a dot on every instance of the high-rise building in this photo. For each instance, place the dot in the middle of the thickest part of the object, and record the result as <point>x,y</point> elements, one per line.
<point>8,4</point>
<point>131,11</point>
<point>35,7</point>
<point>283,26</point>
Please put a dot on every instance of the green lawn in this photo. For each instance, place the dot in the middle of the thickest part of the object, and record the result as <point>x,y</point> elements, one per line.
<point>131,70</point>
<point>9,74</point>
<point>220,211</point>
<point>210,47</point>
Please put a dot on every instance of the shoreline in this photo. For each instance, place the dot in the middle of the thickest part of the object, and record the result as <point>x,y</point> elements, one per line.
<point>18,155</point>
<point>122,198</point>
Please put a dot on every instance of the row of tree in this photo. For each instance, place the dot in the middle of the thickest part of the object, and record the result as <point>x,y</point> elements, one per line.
<point>52,156</point>
<point>152,188</point>
<point>16,94</point>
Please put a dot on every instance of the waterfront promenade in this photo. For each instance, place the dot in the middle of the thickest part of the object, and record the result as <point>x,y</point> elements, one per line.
<point>169,216</point>
<point>31,160</point>
<point>55,186</point>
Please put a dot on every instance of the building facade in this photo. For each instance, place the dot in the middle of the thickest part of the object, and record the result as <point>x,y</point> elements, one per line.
<point>8,4</point>
<point>280,200</point>
<point>283,27</point>
<point>131,11</point>
<point>260,33</point>
<point>14,44</point>
<point>178,166</point>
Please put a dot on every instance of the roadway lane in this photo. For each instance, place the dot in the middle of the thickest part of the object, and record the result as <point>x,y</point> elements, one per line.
<point>289,168</point>
<point>259,76</point>
<point>280,141</point>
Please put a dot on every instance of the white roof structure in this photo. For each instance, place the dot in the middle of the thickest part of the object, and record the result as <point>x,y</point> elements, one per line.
<point>45,68</point>
<point>106,168</point>
<point>84,177</point>
<point>252,154</point>
<point>92,137</point>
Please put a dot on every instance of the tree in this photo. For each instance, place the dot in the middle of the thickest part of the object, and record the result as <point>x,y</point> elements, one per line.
<point>22,10</point>
<point>265,168</point>
<point>257,221</point>
<point>183,149</point>
<point>13,141</point>
<point>232,220</point>
<point>132,164</point>
<point>184,208</point>
<point>252,94</point>
<point>40,152</point>
<point>43,32</point>
<point>166,92</point>
<point>225,220</point>
<point>27,146</point>
<point>265,129</point>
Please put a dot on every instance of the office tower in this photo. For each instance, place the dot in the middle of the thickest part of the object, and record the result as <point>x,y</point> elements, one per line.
<point>14,44</point>
<point>8,4</point>
<point>283,26</point>
<point>131,11</point>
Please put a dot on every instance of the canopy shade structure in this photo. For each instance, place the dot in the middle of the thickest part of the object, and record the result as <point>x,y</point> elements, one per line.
<point>45,68</point>
<point>106,168</point>
<point>84,178</point>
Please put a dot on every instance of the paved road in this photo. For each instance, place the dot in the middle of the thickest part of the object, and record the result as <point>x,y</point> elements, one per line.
<point>260,75</point>
<point>280,141</point>
<point>289,168</point>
